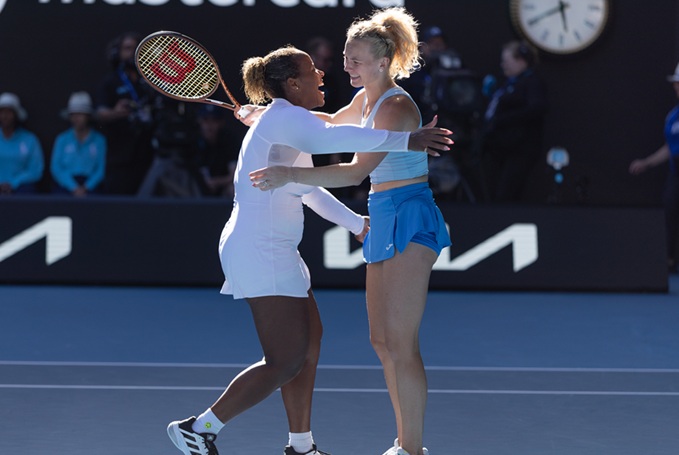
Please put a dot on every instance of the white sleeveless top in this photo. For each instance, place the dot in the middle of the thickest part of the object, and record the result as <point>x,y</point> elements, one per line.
<point>395,166</point>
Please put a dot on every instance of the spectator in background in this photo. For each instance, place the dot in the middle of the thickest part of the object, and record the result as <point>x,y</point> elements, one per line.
<point>513,124</point>
<point>669,151</point>
<point>124,110</point>
<point>21,157</point>
<point>216,152</point>
<point>78,160</point>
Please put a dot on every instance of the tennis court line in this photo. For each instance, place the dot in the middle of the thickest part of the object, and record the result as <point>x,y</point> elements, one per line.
<point>337,367</point>
<point>342,390</point>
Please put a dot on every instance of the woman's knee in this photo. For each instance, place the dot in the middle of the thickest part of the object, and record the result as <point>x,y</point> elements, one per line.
<point>286,369</point>
<point>393,347</point>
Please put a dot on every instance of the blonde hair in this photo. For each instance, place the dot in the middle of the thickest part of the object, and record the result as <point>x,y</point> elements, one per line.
<point>264,77</point>
<point>392,33</point>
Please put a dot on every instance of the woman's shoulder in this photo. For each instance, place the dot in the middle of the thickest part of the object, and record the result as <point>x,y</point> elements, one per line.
<point>280,106</point>
<point>399,106</point>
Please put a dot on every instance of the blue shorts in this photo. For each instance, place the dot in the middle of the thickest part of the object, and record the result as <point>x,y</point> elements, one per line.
<point>400,216</point>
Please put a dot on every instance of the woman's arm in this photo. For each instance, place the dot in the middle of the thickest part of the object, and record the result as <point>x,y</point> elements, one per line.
<point>296,127</point>
<point>658,157</point>
<point>331,176</point>
<point>396,113</point>
<point>59,173</point>
<point>349,114</point>
<point>332,209</point>
<point>35,164</point>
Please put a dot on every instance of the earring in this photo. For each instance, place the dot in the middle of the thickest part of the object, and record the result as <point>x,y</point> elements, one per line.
<point>381,70</point>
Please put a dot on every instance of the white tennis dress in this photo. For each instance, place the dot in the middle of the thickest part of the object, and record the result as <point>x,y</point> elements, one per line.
<point>258,246</point>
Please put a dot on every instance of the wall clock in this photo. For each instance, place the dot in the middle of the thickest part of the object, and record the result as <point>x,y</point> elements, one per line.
<point>560,26</point>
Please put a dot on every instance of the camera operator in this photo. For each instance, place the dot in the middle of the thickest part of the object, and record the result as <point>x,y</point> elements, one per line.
<point>174,172</point>
<point>125,112</point>
<point>435,53</point>
<point>444,87</point>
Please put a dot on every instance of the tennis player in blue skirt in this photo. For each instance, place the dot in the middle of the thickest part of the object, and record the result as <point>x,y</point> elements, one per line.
<point>407,230</point>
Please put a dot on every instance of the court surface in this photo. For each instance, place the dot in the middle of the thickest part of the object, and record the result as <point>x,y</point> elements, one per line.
<point>102,370</point>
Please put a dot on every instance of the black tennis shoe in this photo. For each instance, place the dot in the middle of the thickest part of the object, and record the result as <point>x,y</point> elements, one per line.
<point>314,451</point>
<point>190,442</point>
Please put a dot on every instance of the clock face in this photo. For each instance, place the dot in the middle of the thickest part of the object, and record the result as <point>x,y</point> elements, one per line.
<point>560,26</point>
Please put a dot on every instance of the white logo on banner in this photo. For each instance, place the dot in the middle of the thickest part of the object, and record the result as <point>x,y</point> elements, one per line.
<point>57,232</point>
<point>522,237</point>
<point>280,3</point>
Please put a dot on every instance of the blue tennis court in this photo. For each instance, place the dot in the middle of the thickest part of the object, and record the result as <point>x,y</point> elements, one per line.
<point>104,369</point>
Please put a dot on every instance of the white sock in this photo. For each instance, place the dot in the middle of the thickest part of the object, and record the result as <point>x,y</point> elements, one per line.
<point>207,422</point>
<point>301,442</point>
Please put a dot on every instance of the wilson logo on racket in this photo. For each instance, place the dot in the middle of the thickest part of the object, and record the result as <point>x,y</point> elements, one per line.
<point>175,59</point>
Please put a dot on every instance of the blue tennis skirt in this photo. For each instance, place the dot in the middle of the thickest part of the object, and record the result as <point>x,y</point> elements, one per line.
<point>400,216</point>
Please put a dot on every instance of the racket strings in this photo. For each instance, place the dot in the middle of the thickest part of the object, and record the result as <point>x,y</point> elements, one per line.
<point>178,67</point>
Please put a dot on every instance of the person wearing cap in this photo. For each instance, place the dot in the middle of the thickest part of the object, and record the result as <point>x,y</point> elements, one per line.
<point>79,154</point>
<point>669,151</point>
<point>21,156</point>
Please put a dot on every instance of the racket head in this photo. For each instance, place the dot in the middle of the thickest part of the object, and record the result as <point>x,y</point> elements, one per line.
<point>178,66</point>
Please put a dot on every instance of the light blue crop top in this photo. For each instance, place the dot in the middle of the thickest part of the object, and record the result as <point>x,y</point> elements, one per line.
<point>396,165</point>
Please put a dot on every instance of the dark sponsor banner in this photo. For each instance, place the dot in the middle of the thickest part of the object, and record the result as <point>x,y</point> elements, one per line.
<point>112,240</point>
<point>526,248</point>
<point>161,242</point>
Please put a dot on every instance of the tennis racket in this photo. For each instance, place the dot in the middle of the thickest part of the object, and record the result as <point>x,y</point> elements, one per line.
<point>181,68</point>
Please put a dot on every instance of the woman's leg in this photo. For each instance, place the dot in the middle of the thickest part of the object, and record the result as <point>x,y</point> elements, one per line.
<point>396,295</point>
<point>283,327</point>
<point>297,394</point>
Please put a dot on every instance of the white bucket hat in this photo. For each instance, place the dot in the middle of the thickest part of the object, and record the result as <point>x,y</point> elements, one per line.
<point>79,103</point>
<point>11,101</point>
<point>674,77</point>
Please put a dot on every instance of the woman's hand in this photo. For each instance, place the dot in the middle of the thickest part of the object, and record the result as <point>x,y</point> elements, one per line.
<point>430,139</point>
<point>366,227</point>
<point>636,167</point>
<point>270,178</point>
<point>251,111</point>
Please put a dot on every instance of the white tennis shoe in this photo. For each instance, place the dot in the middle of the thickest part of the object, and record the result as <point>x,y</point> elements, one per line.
<point>190,442</point>
<point>396,450</point>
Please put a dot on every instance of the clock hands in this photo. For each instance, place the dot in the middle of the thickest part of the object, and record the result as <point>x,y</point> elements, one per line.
<point>560,8</point>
